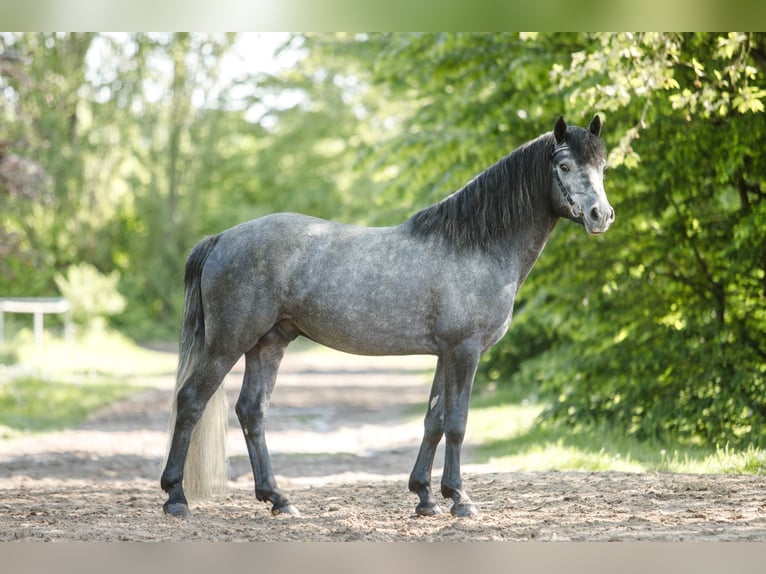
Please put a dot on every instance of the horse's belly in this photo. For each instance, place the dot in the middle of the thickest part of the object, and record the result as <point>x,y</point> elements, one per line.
<point>367,327</point>
<point>374,347</point>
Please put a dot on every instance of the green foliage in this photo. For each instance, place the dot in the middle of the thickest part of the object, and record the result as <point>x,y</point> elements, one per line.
<point>514,437</point>
<point>666,334</point>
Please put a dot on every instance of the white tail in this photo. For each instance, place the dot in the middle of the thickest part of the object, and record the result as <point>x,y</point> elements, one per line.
<point>206,471</point>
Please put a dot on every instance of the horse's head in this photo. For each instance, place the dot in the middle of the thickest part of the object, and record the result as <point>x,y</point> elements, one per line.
<point>578,160</point>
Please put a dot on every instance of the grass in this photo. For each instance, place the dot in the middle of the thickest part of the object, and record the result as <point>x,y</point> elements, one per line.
<point>96,355</point>
<point>514,438</point>
<point>29,404</point>
<point>58,385</point>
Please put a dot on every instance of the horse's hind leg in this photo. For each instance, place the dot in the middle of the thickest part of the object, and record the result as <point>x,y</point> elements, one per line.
<point>261,366</point>
<point>191,400</point>
<point>420,478</point>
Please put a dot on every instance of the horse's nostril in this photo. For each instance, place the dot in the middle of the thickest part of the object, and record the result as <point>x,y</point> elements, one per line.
<point>595,214</point>
<point>611,214</point>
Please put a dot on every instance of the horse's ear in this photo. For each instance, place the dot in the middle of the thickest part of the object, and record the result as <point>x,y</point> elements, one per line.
<point>595,126</point>
<point>560,130</point>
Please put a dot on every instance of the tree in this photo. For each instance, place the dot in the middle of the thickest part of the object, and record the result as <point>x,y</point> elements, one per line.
<point>143,148</point>
<point>42,108</point>
<point>685,353</point>
<point>671,342</point>
<point>171,143</point>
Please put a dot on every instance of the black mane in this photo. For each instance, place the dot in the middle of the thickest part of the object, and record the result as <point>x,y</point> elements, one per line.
<point>493,204</point>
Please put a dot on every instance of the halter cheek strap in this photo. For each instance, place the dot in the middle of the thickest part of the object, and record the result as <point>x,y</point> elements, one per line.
<point>560,183</point>
<point>563,189</point>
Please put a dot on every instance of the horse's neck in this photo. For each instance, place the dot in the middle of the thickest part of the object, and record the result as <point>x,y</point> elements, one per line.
<point>523,248</point>
<point>530,235</point>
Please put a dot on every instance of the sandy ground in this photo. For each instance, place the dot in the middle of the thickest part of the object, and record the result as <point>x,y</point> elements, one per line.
<point>343,432</point>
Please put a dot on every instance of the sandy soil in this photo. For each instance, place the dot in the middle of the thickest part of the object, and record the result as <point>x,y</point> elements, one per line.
<point>343,433</point>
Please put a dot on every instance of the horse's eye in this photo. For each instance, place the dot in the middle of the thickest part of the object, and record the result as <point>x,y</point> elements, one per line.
<point>564,167</point>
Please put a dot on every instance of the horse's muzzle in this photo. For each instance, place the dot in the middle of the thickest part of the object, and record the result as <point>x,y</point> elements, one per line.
<point>598,218</point>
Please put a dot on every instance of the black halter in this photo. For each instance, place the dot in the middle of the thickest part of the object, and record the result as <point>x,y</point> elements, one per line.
<point>560,183</point>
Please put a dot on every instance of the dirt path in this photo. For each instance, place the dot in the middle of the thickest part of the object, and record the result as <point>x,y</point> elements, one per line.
<point>343,433</point>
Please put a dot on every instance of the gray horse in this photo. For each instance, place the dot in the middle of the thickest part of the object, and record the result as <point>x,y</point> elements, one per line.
<point>443,283</point>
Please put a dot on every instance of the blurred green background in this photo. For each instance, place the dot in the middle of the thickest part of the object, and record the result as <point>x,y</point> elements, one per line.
<point>118,152</point>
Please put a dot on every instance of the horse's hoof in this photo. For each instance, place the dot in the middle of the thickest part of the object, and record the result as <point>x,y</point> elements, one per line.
<point>464,510</point>
<point>285,510</point>
<point>177,509</point>
<point>428,509</point>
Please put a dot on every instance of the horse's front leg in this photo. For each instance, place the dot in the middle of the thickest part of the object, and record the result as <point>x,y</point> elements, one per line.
<point>261,366</point>
<point>459,371</point>
<point>420,478</point>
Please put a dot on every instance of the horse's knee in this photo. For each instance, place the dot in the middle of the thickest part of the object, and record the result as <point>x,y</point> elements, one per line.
<point>455,436</point>
<point>433,427</point>
<point>432,436</point>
